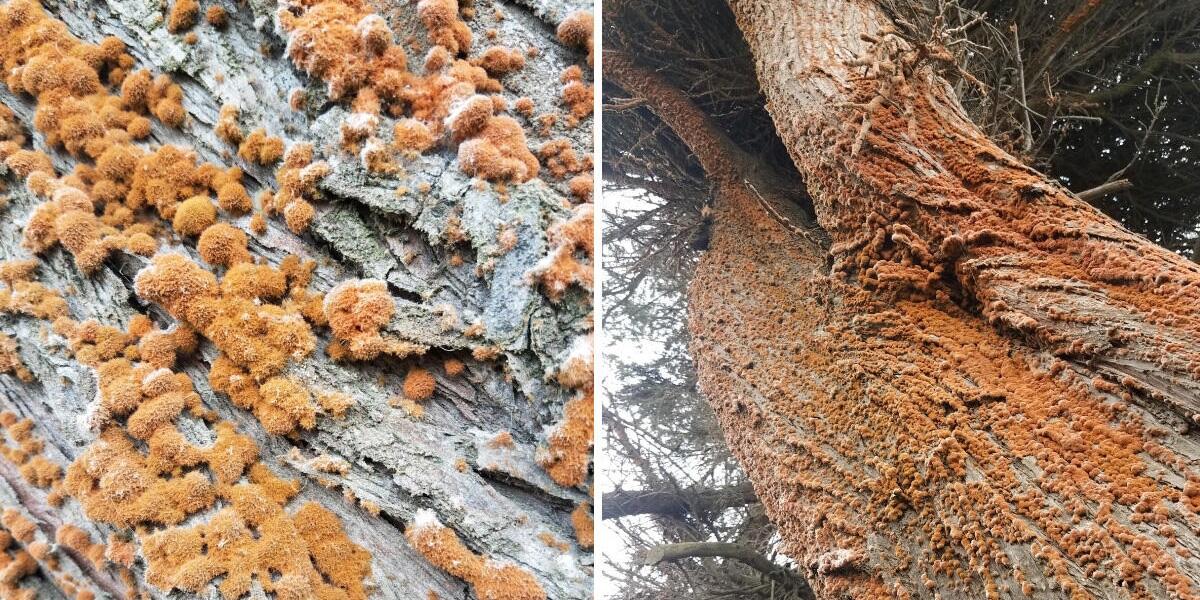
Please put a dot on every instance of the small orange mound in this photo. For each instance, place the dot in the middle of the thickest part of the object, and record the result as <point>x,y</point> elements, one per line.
<point>489,578</point>
<point>261,148</point>
<point>498,60</point>
<point>10,361</point>
<point>357,310</point>
<point>194,215</point>
<point>224,245</point>
<point>570,260</point>
<point>576,31</point>
<point>183,15</point>
<point>445,28</point>
<point>419,384</point>
<point>581,520</point>
<point>498,153</point>
<point>216,16</point>
<point>578,98</point>
<point>566,459</point>
<point>453,367</point>
<point>411,135</point>
<point>227,127</point>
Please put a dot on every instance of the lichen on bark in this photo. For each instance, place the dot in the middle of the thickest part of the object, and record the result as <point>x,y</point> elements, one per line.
<point>991,394</point>
<point>509,337</point>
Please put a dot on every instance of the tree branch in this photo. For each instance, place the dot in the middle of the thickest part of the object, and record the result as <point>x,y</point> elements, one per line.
<point>1105,189</point>
<point>668,503</point>
<point>789,579</point>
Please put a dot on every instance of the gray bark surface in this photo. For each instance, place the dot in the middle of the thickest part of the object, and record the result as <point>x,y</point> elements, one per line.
<point>362,230</point>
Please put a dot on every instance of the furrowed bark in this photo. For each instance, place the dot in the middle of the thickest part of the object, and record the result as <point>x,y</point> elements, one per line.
<point>671,503</point>
<point>992,394</point>
<point>497,499</point>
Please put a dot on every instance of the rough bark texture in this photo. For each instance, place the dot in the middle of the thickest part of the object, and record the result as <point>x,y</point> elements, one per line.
<point>993,393</point>
<point>495,497</point>
<point>674,503</point>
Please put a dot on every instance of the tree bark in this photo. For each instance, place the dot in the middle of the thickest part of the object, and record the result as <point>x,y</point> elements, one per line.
<point>672,503</point>
<point>789,583</point>
<point>495,497</point>
<point>993,392</point>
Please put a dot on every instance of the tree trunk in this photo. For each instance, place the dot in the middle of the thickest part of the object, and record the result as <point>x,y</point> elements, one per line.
<point>388,465</point>
<point>992,393</point>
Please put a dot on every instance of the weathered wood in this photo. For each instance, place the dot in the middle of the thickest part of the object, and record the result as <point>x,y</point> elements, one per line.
<point>363,230</point>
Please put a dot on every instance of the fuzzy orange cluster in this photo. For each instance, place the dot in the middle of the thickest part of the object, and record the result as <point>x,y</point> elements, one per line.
<point>914,431</point>
<point>357,309</point>
<point>257,336</point>
<point>27,454</point>
<point>576,94</point>
<point>489,579</point>
<point>16,562</point>
<point>581,522</point>
<point>490,147</point>
<point>119,484</point>
<point>297,178</point>
<point>95,209</point>
<point>419,384</point>
<point>342,43</point>
<point>24,296</point>
<point>576,31</point>
<point>569,261</point>
<point>10,360</point>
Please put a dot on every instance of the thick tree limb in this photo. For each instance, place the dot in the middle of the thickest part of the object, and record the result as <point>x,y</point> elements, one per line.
<point>625,503</point>
<point>744,554</point>
<point>1105,189</point>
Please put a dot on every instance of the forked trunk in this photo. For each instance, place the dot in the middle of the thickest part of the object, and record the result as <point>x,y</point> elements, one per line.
<point>994,391</point>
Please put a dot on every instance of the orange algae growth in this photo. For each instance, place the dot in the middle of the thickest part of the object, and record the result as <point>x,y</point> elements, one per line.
<point>411,135</point>
<point>561,160</point>
<point>27,452</point>
<point>224,245</point>
<point>577,370</point>
<point>577,95</point>
<point>566,458</point>
<point>498,60</point>
<point>335,403</point>
<point>285,405</point>
<point>261,148</point>
<point>453,367</point>
<point>492,147</point>
<point>419,384</point>
<point>357,310</point>
<point>227,127</point>
<point>297,178</point>
<point>445,28</point>
<point>490,580</point>
<point>251,537</point>
<point>194,215</point>
<point>581,521</point>
<point>258,337</point>
<point>184,14</point>
<point>10,360</point>
<point>570,260</point>
<point>79,540</point>
<point>161,348</point>
<point>551,541</point>
<point>23,296</point>
<point>581,187</point>
<point>216,16</point>
<point>343,44</point>
<point>575,31</point>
